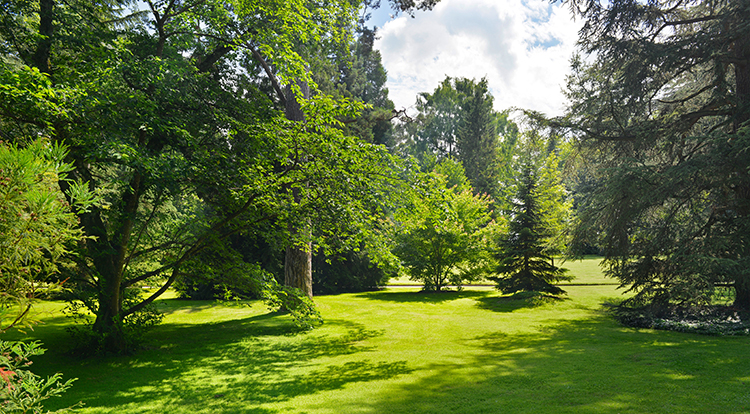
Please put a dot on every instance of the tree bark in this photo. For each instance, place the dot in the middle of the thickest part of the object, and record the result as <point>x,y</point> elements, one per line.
<point>41,58</point>
<point>298,258</point>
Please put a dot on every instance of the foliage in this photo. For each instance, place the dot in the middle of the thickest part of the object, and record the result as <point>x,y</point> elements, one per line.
<point>222,273</point>
<point>87,341</point>
<point>358,73</point>
<point>458,120</point>
<point>660,105</point>
<point>351,271</point>
<point>442,236</point>
<point>525,262</point>
<point>176,115</point>
<point>37,227</point>
<point>216,271</point>
<point>22,391</point>
<point>720,321</point>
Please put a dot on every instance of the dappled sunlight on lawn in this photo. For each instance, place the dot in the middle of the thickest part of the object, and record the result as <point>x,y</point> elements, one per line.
<point>403,351</point>
<point>581,366</point>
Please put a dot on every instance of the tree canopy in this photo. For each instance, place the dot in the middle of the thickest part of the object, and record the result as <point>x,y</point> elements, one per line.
<point>175,115</point>
<point>458,120</point>
<point>660,103</point>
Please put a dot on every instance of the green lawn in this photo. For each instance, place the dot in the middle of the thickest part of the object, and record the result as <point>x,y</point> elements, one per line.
<point>586,271</point>
<point>401,351</point>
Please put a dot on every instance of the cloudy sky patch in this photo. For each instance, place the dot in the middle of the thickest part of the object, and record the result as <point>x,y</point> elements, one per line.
<point>522,47</point>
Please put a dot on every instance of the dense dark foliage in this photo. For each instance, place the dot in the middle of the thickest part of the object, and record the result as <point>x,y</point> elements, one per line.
<point>347,272</point>
<point>660,107</point>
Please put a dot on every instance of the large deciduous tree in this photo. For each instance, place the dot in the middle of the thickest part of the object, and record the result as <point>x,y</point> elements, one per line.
<point>176,116</point>
<point>660,102</point>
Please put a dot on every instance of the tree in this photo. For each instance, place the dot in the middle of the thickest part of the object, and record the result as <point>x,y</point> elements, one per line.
<point>37,229</point>
<point>442,238</point>
<point>660,105</point>
<point>477,137</point>
<point>357,73</point>
<point>458,120</point>
<point>524,261</point>
<point>184,104</point>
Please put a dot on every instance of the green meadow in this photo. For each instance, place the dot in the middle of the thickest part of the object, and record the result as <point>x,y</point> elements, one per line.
<point>403,351</point>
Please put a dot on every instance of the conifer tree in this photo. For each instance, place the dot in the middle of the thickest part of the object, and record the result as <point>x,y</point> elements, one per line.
<point>524,263</point>
<point>661,110</point>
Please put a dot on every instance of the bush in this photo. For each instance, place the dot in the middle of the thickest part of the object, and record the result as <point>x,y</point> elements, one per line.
<point>217,271</point>
<point>22,391</point>
<point>706,320</point>
<point>133,327</point>
<point>347,272</point>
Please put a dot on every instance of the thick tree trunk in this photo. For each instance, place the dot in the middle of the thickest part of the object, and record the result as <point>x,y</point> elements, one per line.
<point>42,54</point>
<point>298,268</point>
<point>298,259</point>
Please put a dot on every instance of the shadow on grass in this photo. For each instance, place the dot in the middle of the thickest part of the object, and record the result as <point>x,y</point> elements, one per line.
<point>169,306</point>
<point>227,367</point>
<point>523,300</point>
<point>582,366</point>
<point>423,296</point>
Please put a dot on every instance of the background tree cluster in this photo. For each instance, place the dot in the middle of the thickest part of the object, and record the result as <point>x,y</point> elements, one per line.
<point>510,181</point>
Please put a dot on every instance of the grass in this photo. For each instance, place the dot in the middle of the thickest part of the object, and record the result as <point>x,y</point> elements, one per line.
<point>401,351</point>
<point>586,271</point>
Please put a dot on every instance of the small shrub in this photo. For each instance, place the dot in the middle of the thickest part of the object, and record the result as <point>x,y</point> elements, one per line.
<point>22,391</point>
<point>706,320</point>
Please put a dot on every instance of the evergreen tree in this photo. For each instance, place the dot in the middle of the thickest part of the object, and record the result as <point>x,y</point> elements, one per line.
<point>524,263</point>
<point>477,138</point>
<point>661,108</point>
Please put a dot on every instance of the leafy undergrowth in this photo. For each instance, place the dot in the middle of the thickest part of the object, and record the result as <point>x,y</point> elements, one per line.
<point>713,320</point>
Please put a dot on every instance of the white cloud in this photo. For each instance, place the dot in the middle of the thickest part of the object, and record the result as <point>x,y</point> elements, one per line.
<point>523,47</point>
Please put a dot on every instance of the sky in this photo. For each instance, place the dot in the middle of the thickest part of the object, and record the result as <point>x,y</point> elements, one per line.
<point>522,47</point>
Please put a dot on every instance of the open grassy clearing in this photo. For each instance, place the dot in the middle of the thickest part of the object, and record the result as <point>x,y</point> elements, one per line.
<point>400,351</point>
<point>586,271</point>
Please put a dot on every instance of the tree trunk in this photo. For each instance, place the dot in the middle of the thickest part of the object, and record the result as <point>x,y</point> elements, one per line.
<point>298,268</point>
<point>298,259</point>
<point>41,57</point>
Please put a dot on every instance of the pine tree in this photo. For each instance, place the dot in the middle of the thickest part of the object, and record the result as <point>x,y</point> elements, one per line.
<point>525,264</point>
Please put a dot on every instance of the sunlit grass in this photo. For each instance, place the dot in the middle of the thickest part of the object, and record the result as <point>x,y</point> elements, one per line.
<point>586,271</point>
<point>401,351</point>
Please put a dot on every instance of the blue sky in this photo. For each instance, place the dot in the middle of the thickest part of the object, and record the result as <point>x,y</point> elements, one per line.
<point>522,47</point>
